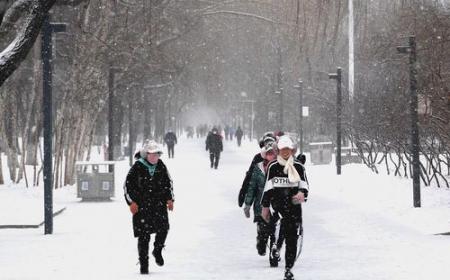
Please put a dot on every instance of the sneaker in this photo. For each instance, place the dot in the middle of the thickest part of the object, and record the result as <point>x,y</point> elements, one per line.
<point>157,254</point>
<point>274,257</point>
<point>288,274</point>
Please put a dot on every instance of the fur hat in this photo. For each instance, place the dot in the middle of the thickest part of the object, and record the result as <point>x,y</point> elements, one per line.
<point>151,147</point>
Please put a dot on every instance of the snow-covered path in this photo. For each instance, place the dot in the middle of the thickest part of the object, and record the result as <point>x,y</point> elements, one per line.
<point>345,238</point>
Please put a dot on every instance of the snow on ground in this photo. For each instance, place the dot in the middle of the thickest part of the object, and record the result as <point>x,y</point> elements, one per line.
<point>357,226</point>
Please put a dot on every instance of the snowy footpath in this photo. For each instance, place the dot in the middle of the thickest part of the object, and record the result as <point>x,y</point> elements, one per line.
<point>357,226</point>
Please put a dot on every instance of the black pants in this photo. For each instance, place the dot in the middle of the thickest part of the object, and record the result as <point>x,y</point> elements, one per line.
<point>214,158</point>
<point>239,139</point>
<point>290,230</point>
<point>265,231</point>
<point>170,150</point>
<point>143,244</point>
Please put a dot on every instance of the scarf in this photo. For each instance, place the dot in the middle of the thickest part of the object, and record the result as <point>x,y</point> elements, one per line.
<point>289,168</point>
<point>151,167</point>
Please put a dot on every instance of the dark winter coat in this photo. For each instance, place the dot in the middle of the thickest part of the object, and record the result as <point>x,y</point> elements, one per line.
<point>170,138</point>
<point>151,194</point>
<point>243,191</point>
<point>214,143</point>
<point>256,189</point>
<point>239,133</point>
<point>279,191</point>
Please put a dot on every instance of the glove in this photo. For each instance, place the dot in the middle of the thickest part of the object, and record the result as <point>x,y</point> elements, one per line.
<point>170,205</point>
<point>134,208</point>
<point>265,214</point>
<point>298,198</point>
<point>247,211</point>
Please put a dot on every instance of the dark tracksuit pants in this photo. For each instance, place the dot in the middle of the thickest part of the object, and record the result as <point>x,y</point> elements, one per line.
<point>291,233</point>
<point>143,244</point>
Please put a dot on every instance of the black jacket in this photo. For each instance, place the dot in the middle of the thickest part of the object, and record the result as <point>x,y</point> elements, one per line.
<point>239,133</point>
<point>170,138</point>
<point>278,190</point>
<point>151,194</point>
<point>256,159</point>
<point>214,143</point>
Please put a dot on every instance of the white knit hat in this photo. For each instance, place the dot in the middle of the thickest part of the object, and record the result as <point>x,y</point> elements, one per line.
<point>285,142</point>
<point>151,147</point>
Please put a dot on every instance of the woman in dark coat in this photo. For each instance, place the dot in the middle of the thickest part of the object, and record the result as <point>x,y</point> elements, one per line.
<point>149,194</point>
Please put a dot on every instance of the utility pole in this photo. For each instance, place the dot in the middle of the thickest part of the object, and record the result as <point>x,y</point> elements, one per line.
<point>338,77</point>
<point>413,103</point>
<point>299,87</point>
<point>46,52</point>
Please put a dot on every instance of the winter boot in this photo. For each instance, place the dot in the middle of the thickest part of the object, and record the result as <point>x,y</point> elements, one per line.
<point>288,274</point>
<point>274,257</point>
<point>157,254</point>
<point>144,265</point>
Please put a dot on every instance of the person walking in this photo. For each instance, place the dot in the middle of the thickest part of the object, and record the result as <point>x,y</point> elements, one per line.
<point>285,189</point>
<point>170,139</point>
<point>254,196</point>
<point>239,133</point>
<point>215,146</point>
<point>149,194</point>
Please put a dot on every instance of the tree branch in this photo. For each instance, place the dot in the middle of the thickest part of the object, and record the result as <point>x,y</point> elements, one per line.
<point>17,50</point>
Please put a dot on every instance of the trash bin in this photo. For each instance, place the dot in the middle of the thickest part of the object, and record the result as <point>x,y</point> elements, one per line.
<point>95,181</point>
<point>321,152</point>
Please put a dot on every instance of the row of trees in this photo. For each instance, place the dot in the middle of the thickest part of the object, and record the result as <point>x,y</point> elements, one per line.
<point>160,62</point>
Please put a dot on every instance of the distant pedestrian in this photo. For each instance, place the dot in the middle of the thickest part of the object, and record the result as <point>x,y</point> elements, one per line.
<point>170,139</point>
<point>215,146</point>
<point>239,133</point>
<point>149,194</point>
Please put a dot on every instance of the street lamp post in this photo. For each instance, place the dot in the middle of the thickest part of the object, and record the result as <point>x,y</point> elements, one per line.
<point>111,108</point>
<point>47,31</point>
<point>338,77</point>
<point>279,93</point>
<point>415,144</point>
<point>252,116</point>
<point>299,87</point>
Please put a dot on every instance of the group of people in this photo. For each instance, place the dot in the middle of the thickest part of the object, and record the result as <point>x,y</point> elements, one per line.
<point>275,185</point>
<point>276,180</point>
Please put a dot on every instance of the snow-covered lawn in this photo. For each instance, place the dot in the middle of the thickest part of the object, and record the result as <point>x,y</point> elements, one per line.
<point>357,226</point>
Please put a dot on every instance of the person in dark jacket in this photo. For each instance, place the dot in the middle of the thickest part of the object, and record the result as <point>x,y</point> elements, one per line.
<point>254,196</point>
<point>170,139</point>
<point>149,194</point>
<point>285,189</point>
<point>268,137</point>
<point>239,133</point>
<point>215,146</point>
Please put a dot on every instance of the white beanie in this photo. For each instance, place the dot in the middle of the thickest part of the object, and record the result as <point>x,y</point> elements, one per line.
<point>285,142</point>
